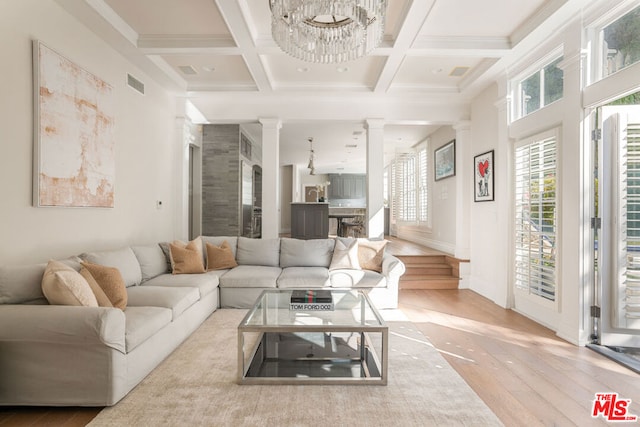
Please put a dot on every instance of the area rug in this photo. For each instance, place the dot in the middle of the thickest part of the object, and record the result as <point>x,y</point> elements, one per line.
<point>196,386</point>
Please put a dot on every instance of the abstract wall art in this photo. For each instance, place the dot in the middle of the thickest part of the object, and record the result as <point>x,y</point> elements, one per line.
<point>74,146</point>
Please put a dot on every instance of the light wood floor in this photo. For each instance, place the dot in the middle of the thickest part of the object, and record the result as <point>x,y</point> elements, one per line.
<point>523,372</point>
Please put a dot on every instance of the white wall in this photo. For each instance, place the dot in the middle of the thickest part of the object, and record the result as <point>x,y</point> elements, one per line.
<point>486,265</point>
<point>441,234</point>
<point>145,126</point>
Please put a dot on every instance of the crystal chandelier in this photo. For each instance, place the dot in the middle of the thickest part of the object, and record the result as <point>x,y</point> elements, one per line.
<point>327,31</point>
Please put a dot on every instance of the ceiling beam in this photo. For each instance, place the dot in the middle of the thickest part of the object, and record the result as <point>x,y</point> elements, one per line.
<point>414,19</point>
<point>233,12</point>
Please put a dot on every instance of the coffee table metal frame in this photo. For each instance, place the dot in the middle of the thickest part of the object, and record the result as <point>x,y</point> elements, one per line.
<point>360,317</point>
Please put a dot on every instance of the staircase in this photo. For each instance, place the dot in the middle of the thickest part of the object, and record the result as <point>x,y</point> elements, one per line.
<point>430,272</point>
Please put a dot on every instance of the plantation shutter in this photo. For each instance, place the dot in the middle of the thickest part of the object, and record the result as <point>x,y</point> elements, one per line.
<point>536,218</point>
<point>423,203</point>
<point>406,186</point>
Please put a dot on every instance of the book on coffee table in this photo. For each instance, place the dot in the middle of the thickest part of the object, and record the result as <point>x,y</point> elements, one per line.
<point>311,300</point>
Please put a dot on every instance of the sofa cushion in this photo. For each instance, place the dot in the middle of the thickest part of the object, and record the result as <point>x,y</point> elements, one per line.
<point>306,253</point>
<point>62,285</point>
<point>217,241</point>
<point>206,283</point>
<point>177,299</point>
<point>304,277</point>
<point>123,259</point>
<point>186,258</point>
<point>345,254</point>
<point>101,297</point>
<point>258,252</point>
<point>219,257</point>
<point>22,284</point>
<point>142,323</point>
<point>250,276</point>
<point>151,259</point>
<point>349,278</point>
<point>370,254</point>
<point>111,282</point>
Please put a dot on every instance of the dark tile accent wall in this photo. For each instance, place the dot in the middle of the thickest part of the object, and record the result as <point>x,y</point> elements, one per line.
<point>221,180</point>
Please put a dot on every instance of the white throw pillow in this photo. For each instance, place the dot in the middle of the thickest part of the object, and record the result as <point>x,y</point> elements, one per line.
<point>345,255</point>
<point>62,285</point>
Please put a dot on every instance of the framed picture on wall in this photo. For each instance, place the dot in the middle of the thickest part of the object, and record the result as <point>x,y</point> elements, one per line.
<point>483,177</point>
<point>445,160</point>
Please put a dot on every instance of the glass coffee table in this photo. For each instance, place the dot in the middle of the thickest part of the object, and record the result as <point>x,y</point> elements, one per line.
<point>282,345</point>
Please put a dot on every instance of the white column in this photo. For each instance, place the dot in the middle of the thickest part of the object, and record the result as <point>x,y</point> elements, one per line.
<point>270,177</point>
<point>464,186</point>
<point>503,171</point>
<point>375,177</point>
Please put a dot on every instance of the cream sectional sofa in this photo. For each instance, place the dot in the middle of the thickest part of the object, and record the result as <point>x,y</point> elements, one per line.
<point>53,355</point>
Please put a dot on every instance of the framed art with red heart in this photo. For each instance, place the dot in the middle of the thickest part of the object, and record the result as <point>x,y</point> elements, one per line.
<point>483,172</point>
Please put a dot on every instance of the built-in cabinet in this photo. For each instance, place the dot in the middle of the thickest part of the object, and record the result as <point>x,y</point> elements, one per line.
<point>347,186</point>
<point>309,220</point>
<point>231,182</point>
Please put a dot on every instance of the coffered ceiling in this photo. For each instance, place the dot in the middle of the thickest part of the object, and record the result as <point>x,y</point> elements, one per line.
<point>441,52</point>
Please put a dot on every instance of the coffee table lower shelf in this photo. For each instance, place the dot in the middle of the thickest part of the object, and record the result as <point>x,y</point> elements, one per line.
<point>314,358</point>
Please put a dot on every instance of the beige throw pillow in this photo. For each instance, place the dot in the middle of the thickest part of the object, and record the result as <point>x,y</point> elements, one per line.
<point>220,257</point>
<point>345,255</point>
<point>62,285</point>
<point>101,297</point>
<point>370,254</point>
<point>187,258</point>
<point>111,282</point>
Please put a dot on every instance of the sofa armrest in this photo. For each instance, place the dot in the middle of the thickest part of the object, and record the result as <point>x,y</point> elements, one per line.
<point>63,325</point>
<point>392,267</point>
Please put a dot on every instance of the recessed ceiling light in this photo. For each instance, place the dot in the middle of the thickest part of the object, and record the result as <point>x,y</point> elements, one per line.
<point>303,69</point>
<point>209,68</point>
<point>342,69</point>
<point>436,70</point>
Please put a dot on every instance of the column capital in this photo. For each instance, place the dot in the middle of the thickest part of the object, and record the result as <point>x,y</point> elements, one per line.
<point>271,122</point>
<point>374,123</point>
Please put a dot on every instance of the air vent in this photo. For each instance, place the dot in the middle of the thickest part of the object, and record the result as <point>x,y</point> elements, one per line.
<point>135,84</point>
<point>187,69</point>
<point>458,71</point>
<point>351,145</point>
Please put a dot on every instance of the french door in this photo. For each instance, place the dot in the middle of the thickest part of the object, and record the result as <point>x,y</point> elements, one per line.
<point>618,247</point>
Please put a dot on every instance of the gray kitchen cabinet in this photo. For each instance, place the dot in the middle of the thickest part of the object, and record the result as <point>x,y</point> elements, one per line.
<point>347,186</point>
<point>309,220</point>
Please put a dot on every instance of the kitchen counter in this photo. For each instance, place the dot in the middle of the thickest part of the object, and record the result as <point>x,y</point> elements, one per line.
<point>310,220</point>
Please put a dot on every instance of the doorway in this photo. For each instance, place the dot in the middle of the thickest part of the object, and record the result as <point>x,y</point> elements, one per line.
<point>616,311</point>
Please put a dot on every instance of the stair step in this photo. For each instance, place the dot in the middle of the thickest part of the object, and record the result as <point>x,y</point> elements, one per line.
<point>429,269</point>
<point>423,259</point>
<point>433,282</point>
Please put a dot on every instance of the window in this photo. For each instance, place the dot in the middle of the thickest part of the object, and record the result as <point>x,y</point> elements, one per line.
<point>405,182</point>
<point>541,88</point>
<point>621,43</point>
<point>423,205</point>
<point>536,218</point>
<point>409,186</point>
